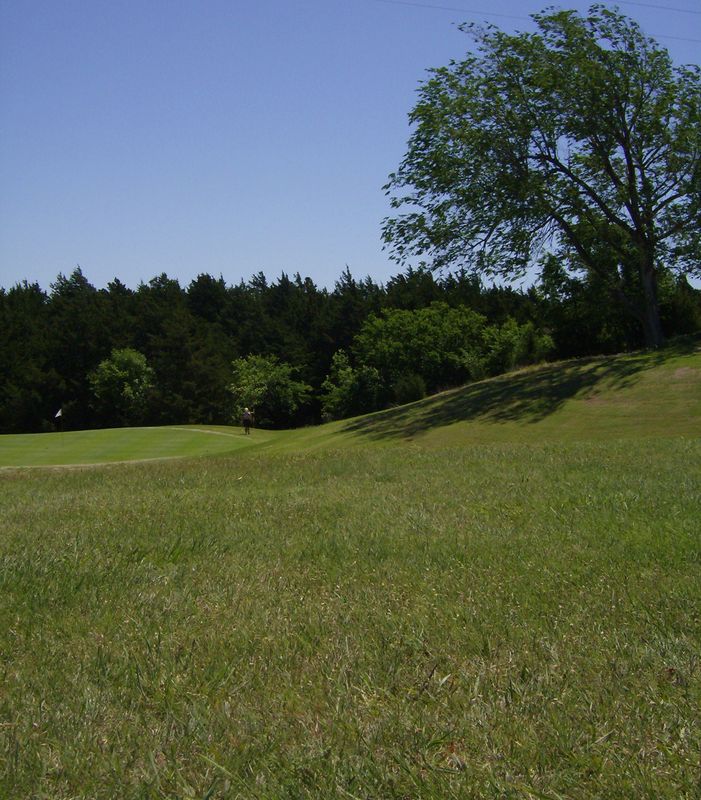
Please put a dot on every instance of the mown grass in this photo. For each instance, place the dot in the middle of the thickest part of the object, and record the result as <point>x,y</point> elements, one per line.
<point>120,444</point>
<point>418,620</point>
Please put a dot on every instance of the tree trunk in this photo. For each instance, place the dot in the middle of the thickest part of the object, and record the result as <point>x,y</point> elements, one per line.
<point>652,326</point>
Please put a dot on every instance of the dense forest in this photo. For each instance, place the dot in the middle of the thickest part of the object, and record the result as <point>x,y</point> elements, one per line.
<point>164,353</point>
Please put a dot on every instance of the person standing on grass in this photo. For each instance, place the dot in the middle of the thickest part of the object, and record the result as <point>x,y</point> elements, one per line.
<point>247,421</point>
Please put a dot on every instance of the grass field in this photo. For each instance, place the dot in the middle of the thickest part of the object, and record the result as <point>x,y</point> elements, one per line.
<point>119,444</point>
<point>494,593</point>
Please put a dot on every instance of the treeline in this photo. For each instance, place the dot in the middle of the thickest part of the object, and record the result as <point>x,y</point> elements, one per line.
<point>198,350</point>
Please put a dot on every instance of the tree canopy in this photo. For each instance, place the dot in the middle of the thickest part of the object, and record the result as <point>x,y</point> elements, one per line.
<point>581,140</point>
<point>268,388</point>
<point>121,384</point>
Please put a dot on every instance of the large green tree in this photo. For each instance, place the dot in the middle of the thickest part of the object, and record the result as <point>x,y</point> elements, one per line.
<point>580,139</point>
<point>348,391</point>
<point>268,387</point>
<point>430,343</point>
<point>121,384</point>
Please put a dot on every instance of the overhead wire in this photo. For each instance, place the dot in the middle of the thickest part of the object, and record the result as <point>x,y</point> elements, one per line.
<point>652,5</point>
<point>451,8</point>
<point>473,11</point>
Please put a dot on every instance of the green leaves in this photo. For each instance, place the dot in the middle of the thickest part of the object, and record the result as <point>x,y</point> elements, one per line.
<point>267,387</point>
<point>583,125</point>
<point>121,384</point>
<point>348,391</point>
<point>426,342</point>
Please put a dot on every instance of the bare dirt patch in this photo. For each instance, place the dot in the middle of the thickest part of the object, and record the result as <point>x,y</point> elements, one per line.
<point>685,373</point>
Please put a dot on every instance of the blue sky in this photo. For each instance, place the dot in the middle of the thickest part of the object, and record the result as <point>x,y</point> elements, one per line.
<point>181,136</point>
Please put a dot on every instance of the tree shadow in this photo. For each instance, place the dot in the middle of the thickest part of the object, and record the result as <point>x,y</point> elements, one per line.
<point>527,396</point>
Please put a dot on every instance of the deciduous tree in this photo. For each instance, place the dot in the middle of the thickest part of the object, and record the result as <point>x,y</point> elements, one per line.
<point>581,138</point>
<point>121,384</point>
<point>268,387</point>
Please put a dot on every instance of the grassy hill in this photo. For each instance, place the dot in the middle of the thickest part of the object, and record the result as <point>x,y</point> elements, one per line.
<point>492,593</point>
<point>643,394</point>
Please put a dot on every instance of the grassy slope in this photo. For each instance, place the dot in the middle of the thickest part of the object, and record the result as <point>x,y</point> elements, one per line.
<point>497,604</point>
<point>643,394</point>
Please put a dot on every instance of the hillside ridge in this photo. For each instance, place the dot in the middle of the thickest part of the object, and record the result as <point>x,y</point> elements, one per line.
<point>642,393</point>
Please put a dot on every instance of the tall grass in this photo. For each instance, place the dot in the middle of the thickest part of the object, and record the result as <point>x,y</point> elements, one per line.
<point>496,621</point>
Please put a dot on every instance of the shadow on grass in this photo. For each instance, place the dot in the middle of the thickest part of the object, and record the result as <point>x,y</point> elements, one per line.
<point>528,396</point>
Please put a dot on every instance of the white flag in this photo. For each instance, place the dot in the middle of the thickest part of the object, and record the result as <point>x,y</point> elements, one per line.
<point>58,413</point>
